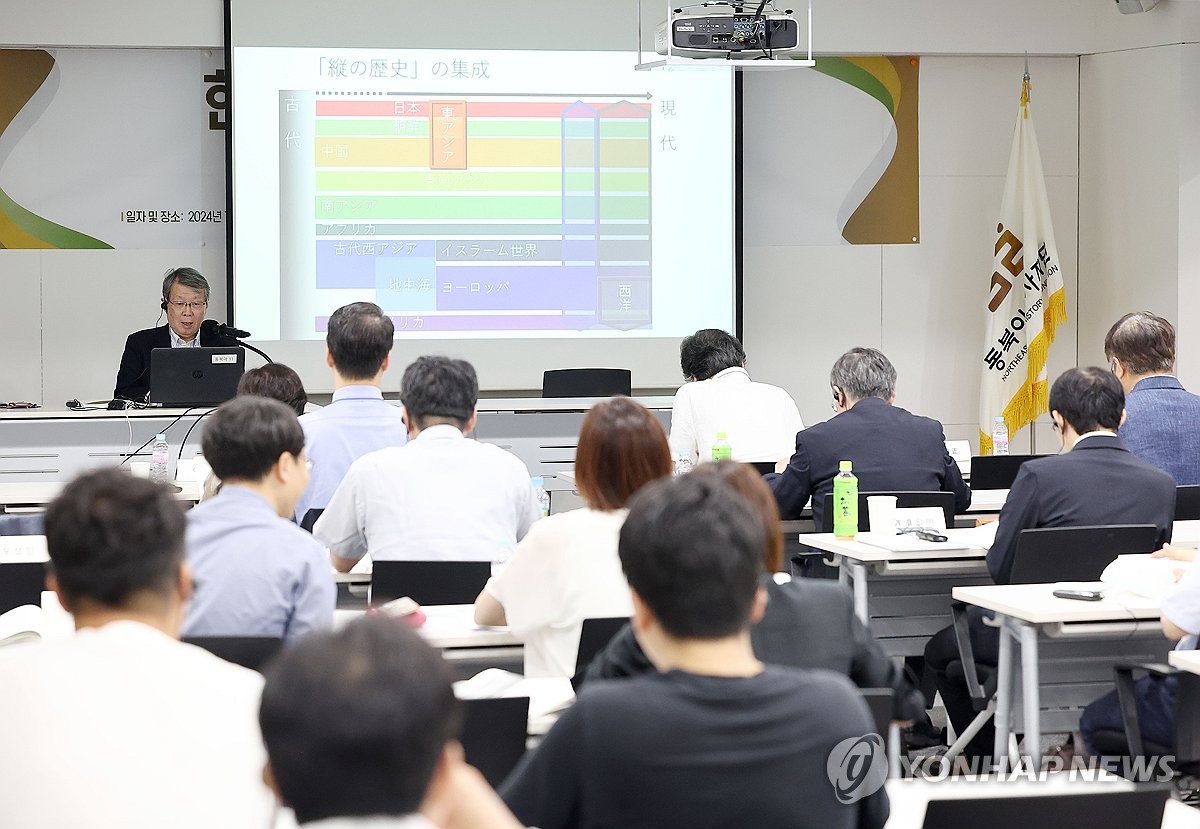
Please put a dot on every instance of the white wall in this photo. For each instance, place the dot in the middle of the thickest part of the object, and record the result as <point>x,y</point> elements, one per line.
<point>919,303</point>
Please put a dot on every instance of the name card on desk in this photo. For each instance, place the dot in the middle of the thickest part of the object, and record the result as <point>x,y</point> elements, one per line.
<point>21,549</point>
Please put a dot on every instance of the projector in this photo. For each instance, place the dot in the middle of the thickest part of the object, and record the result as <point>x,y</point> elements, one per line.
<point>713,35</point>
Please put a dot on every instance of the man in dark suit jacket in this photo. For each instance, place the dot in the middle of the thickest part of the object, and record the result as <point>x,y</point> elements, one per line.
<point>1095,481</point>
<point>185,299</point>
<point>892,449</point>
<point>1161,416</point>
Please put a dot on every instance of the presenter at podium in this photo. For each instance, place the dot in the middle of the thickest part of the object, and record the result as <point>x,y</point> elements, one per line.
<point>185,300</point>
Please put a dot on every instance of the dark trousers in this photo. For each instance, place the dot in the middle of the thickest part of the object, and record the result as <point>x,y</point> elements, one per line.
<point>1156,713</point>
<point>940,651</point>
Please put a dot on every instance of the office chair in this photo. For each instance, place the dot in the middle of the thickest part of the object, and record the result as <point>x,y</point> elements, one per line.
<point>21,583</point>
<point>1128,742</point>
<point>904,500</point>
<point>494,734</point>
<point>1044,555</point>
<point>1140,808</point>
<point>429,582</point>
<point>594,636</point>
<point>252,652</point>
<point>1187,503</point>
<point>587,382</point>
<point>996,471</point>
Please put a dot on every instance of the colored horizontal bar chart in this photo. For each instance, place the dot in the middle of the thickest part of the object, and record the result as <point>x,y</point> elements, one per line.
<point>486,214</point>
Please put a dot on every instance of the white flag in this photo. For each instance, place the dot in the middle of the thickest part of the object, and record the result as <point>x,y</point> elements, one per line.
<point>1026,302</point>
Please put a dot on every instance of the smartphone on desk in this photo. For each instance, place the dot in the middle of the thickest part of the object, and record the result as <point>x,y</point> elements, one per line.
<point>1079,594</point>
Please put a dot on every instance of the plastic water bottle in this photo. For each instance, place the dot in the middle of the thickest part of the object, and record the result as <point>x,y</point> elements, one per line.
<point>721,450</point>
<point>999,437</point>
<point>683,462</point>
<point>845,501</point>
<point>539,486</point>
<point>160,469</point>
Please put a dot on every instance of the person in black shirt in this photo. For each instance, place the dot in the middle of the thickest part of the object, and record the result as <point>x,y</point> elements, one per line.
<point>716,739</point>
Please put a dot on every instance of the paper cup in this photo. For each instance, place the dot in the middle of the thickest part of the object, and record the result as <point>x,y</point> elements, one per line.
<point>881,512</point>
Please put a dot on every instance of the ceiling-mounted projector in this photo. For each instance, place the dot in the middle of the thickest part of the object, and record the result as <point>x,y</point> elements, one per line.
<point>727,34</point>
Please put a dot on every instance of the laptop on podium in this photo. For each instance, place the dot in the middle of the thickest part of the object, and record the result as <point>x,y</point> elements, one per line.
<point>195,376</point>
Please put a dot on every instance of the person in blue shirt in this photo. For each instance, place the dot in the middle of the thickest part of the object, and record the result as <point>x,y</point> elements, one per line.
<point>257,573</point>
<point>359,341</point>
<point>1161,416</point>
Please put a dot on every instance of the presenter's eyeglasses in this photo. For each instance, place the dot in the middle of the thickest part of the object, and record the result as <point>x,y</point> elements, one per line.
<point>187,306</point>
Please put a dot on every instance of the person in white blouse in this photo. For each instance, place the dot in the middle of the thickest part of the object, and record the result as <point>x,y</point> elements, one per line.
<point>566,569</point>
<point>760,421</point>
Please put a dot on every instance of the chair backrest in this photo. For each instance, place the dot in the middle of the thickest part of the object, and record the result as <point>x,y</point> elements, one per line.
<point>251,652</point>
<point>587,382</point>
<point>762,467</point>
<point>1187,503</point>
<point>310,518</point>
<point>996,471</point>
<point>494,735</point>
<point>879,701</point>
<point>904,500</point>
<point>429,582</point>
<point>594,636</point>
<point>1054,554</point>
<point>1140,808</point>
<point>21,583</point>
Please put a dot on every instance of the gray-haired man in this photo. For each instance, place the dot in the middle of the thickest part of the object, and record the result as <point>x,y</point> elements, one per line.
<point>892,449</point>
<point>185,301</point>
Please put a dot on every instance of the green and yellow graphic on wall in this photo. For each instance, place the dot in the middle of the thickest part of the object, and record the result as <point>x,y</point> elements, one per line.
<point>22,74</point>
<point>889,212</point>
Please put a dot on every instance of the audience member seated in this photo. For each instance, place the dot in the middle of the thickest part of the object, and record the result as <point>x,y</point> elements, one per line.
<point>566,570</point>
<point>359,341</point>
<point>274,380</point>
<point>808,623</point>
<point>717,739</point>
<point>261,575</point>
<point>361,728</point>
<point>443,497</point>
<point>1155,695</point>
<point>1095,481</point>
<point>278,382</point>
<point>1161,416</point>
<point>759,420</point>
<point>140,729</point>
<point>892,449</point>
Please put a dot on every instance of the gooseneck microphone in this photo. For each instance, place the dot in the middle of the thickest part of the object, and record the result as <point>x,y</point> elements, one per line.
<point>212,328</point>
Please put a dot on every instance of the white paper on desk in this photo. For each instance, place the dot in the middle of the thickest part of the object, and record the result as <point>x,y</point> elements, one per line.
<point>21,624</point>
<point>908,543</point>
<point>926,518</point>
<point>546,695</point>
<point>982,536</point>
<point>1143,574</point>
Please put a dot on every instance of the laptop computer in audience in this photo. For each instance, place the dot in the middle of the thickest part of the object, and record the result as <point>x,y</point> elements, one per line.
<point>195,376</point>
<point>1139,808</point>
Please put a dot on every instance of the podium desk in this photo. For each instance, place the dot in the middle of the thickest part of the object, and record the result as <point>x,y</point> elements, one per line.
<point>1068,648</point>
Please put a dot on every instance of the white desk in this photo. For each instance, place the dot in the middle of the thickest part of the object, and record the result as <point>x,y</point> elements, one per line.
<point>1090,637</point>
<point>40,493</point>
<point>1185,661</point>
<point>903,596</point>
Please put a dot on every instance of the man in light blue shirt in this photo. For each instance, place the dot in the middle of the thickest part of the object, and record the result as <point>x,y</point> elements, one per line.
<point>257,573</point>
<point>358,421</point>
<point>1162,418</point>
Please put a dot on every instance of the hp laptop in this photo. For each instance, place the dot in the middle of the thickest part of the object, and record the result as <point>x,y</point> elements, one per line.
<point>195,376</point>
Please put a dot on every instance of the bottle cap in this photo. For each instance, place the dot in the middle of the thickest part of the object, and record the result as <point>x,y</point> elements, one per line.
<point>538,481</point>
<point>720,436</point>
<point>999,418</point>
<point>159,436</point>
<point>845,466</point>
